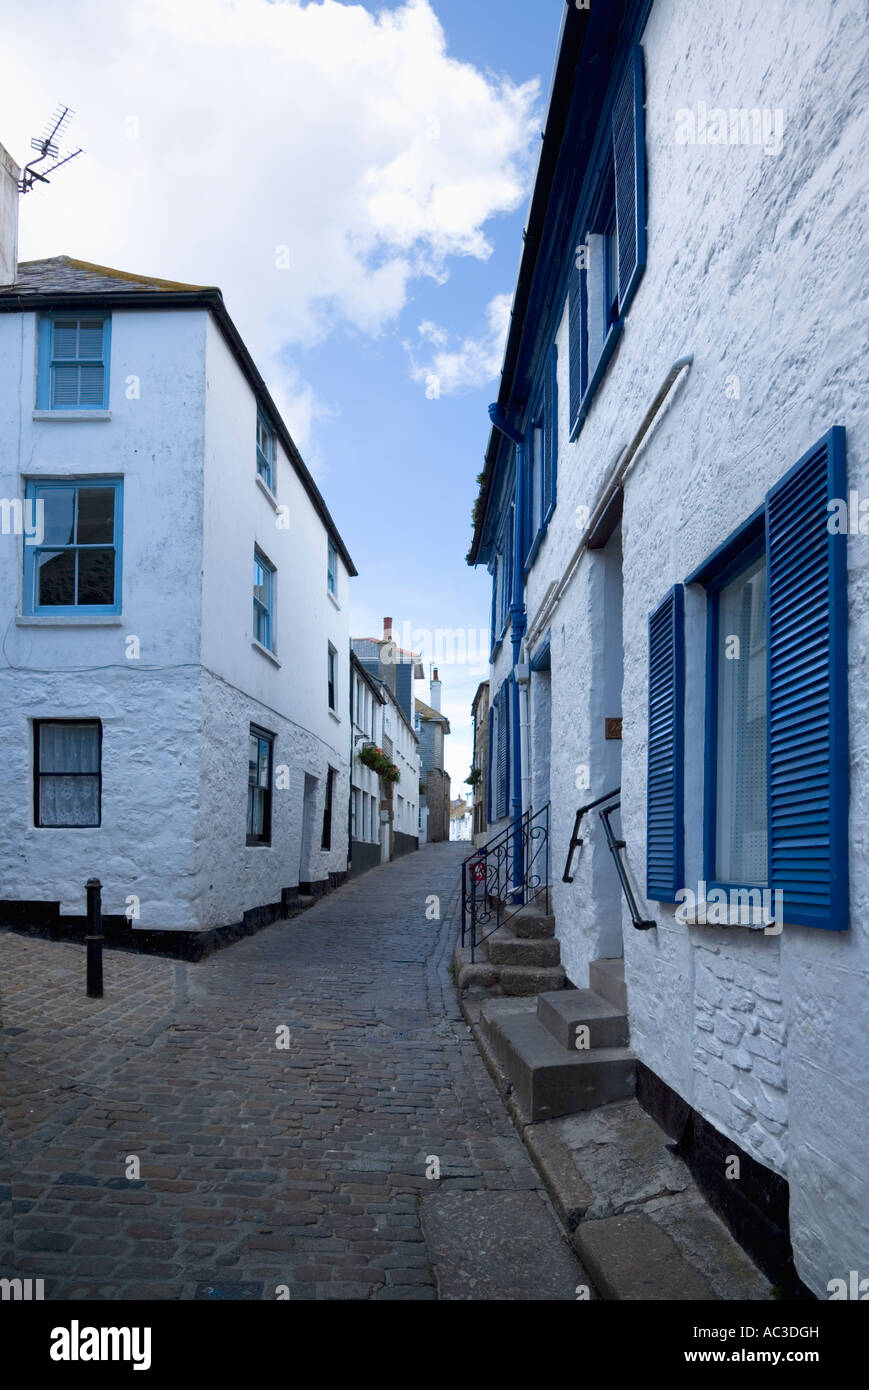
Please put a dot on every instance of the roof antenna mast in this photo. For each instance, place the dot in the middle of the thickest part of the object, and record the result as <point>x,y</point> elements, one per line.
<point>48,147</point>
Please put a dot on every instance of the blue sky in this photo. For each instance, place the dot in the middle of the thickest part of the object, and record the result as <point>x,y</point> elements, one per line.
<point>215,136</point>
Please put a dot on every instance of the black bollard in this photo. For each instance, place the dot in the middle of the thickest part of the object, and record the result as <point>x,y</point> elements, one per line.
<point>94,938</point>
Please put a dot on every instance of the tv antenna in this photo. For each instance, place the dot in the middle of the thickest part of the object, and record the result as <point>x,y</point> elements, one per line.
<point>48,147</point>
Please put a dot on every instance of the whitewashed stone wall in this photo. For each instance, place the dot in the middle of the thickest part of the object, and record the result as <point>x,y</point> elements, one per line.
<point>753,266</point>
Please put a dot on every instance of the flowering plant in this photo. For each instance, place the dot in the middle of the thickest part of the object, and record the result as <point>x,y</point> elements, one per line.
<point>376,759</point>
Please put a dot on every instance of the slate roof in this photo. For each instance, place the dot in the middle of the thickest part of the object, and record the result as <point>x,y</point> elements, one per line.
<point>65,274</point>
<point>426,712</point>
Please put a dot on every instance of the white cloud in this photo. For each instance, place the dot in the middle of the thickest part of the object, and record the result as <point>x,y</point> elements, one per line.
<point>473,362</point>
<point>226,139</point>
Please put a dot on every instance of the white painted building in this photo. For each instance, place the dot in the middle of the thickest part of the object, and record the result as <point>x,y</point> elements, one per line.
<point>379,665</point>
<point>174,683</point>
<point>684,384</point>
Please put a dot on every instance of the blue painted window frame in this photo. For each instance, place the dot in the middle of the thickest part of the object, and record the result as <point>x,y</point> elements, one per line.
<point>35,487</point>
<point>618,169</point>
<point>817,478</point>
<point>739,551</point>
<point>264,612</point>
<point>263,740</point>
<point>332,569</point>
<point>265,450</point>
<point>332,678</point>
<point>46,360</point>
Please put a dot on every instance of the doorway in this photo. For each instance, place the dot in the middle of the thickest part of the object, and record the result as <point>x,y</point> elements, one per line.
<point>309,811</point>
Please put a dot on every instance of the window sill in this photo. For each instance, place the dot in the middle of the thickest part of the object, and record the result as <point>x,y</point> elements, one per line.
<point>332,597</point>
<point>69,620</point>
<point>72,415</point>
<point>267,493</point>
<point>335,716</point>
<point>754,919</point>
<point>258,646</point>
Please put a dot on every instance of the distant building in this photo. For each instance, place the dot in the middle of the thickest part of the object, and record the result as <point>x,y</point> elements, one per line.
<point>461,819</point>
<point>432,727</point>
<point>480,762</point>
<point>384,814</point>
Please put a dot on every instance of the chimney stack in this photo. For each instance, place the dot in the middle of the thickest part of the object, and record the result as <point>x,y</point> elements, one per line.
<point>9,176</point>
<point>435,696</point>
<point>387,629</point>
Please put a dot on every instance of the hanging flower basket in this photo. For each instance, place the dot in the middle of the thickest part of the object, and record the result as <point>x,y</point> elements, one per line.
<point>376,759</point>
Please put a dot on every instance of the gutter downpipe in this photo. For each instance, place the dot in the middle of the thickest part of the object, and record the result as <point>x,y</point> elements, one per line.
<point>518,624</point>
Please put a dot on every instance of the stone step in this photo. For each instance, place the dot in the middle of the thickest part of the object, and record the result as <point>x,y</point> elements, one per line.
<point>504,948</point>
<point>532,924</point>
<point>567,1010</point>
<point>550,1081</point>
<point>531,979</point>
<point>607,978</point>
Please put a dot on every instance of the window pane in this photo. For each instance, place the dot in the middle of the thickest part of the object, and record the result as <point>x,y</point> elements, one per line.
<point>59,514</point>
<point>55,577</point>
<point>65,338</point>
<point>263,766</point>
<point>69,747</point>
<point>96,576</point>
<point>255,811</point>
<point>69,801</point>
<point>66,383</point>
<point>91,384</point>
<point>90,338</point>
<point>261,583</point>
<point>741,811</point>
<point>96,516</point>
<point>252,756</point>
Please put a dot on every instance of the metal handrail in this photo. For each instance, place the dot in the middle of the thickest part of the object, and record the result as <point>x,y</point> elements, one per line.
<point>616,846</point>
<point>575,840</point>
<point>491,874</point>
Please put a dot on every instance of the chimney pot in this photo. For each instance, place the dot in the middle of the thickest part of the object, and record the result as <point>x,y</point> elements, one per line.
<point>9,176</point>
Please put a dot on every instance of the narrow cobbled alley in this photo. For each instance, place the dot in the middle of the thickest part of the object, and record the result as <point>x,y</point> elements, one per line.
<point>288,1104</point>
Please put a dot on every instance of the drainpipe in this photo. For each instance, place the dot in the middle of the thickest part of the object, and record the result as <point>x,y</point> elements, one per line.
<point>518,623</point>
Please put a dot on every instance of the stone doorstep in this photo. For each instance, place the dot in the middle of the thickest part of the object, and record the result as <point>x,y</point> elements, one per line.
<point>504,948</point>
<point>675,1249</point>
<point>607,978</point>
<point>549,1080</point>
<point>563,1012</point>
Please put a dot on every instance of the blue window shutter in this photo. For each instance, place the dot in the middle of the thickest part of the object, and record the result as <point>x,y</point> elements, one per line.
<point>808,706</point>
<point>630,176</point>
<point>550,432</point>
<point>664,812</point>
<point>576,339</point>
<point>490,765</point>
<point>503,766</point>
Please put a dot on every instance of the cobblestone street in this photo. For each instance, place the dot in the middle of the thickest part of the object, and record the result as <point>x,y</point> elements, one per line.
<point>264,1166</point>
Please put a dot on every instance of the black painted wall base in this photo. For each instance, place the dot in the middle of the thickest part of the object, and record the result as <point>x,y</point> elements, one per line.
<point>364,855</point>
<point>403,844</point>
<point>754,1206</point>
<point>44,920</point>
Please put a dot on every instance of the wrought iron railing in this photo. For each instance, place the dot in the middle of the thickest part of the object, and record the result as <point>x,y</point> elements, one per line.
<point>608,804</point>
<point>504,875</point>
